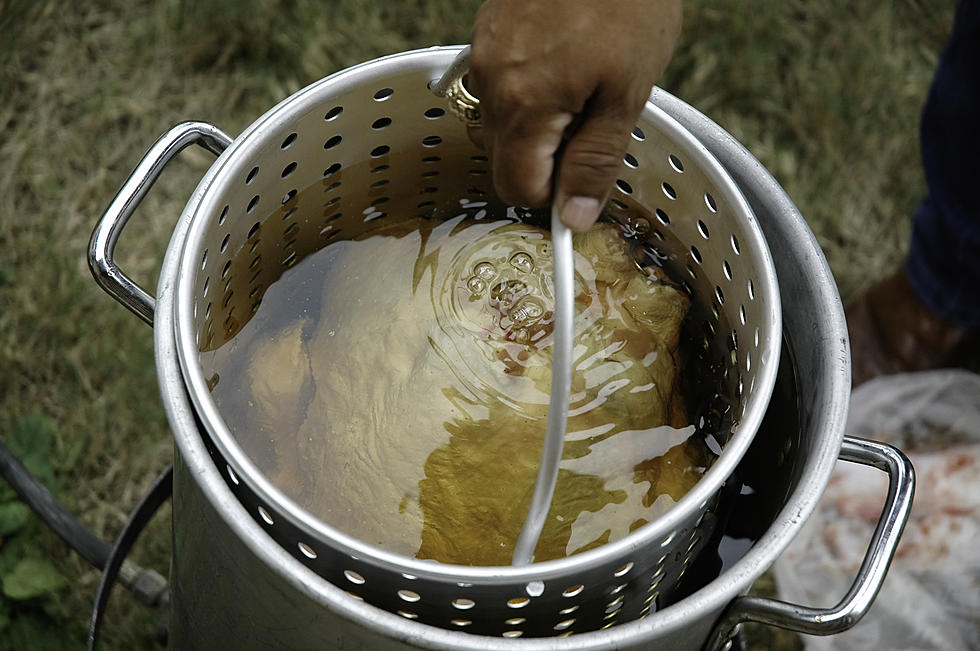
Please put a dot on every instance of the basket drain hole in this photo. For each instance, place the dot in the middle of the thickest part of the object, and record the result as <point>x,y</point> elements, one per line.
<point>264,514</point>
<point>409,596</point>
<point>354,577</point>
<point>709,201</point>
<point>306,550</point>
<point>573,591</point>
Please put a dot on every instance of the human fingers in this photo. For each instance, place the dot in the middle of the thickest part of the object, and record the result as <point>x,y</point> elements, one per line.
<point>592,157</point>
<point>522,155</point>
<point>475,134</point>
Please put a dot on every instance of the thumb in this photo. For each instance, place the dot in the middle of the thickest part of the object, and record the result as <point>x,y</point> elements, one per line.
<point>591,161</point>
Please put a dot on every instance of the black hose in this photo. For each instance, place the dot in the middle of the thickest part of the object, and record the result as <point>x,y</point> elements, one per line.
<point>151,501</point>
<point>33,493</point>
<point>146,585</point>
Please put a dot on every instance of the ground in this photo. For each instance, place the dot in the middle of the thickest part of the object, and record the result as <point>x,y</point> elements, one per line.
<point>827,95</point>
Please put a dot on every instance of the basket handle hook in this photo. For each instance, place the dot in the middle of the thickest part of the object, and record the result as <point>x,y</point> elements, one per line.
<point>103,243</point>
<point>452,86</point>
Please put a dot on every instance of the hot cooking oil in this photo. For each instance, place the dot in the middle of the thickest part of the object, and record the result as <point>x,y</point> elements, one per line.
<point>395,385</point>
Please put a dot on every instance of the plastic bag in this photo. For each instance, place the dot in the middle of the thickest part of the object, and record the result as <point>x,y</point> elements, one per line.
<point>931,596</point>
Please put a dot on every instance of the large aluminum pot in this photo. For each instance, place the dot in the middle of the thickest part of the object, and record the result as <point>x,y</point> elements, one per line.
<point>235,585</point>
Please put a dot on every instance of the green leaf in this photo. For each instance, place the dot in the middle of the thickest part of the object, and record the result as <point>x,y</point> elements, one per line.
<point>55,609</point>
<point>30,440</point>
<point>15,548</point>
<point>7,493</point>
<point>31,578</point>
<point>31,433</point>
<point>13,517</point>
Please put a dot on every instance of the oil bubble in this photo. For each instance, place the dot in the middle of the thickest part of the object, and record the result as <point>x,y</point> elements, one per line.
<point>635,227</point>
<point>522,262</point>
<point>526,311</point>
<point>641,226</point>
<point>521,336</point>
<point>476,285</point>
<point>485,270</point>
<point>507,293</point>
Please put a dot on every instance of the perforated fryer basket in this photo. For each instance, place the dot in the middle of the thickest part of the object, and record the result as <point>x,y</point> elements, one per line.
<point>376,144</point>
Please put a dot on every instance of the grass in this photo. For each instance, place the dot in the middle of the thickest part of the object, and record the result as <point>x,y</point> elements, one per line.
<point>827,94</point>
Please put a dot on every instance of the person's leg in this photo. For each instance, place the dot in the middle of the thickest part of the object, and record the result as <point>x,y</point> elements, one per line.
<point>943,263</point>
<point>919,317</point>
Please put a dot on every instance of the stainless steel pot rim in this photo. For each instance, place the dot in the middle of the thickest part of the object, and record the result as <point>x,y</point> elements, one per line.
<point>310,99</point>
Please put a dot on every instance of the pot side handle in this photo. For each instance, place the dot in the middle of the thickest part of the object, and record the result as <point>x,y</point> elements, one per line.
<point>857,601</point>
<point>103,243</point>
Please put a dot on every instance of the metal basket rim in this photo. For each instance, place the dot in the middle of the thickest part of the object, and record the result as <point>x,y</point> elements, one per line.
<point>304,100</point>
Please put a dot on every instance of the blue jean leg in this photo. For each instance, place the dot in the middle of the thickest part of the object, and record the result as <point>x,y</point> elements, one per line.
<point>943,263</point>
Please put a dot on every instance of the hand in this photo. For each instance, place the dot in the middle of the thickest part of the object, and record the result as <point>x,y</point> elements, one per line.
<point>565,79</point>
